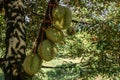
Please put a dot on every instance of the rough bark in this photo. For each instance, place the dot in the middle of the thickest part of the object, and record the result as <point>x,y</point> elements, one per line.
<point>15,40</point>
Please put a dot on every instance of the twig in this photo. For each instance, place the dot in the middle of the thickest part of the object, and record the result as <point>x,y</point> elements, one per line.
<point>62,67</point>
<point>75,21</point>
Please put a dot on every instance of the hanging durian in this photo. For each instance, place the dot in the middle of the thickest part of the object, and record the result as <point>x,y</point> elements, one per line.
<point>71,31</point>
<point>32,64</point>
<point>2,10</point>
<point>54,35</point>
<point>47,50</point>
<point>62,17</point>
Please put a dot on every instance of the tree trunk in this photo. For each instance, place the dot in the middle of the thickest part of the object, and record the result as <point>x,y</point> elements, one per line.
<point>15,40</point>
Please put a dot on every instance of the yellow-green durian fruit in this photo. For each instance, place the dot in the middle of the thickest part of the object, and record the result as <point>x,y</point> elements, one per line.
<point>35,64</point>
<point>54,35</point>
<point>32,64</point>
<point>47,50</point>
<point>62,17</point>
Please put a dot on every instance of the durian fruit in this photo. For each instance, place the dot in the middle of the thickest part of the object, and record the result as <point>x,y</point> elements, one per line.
<point>36,63</point>
<point>68,18</point>
<point>71,31</point>
<point>32,64</point>
<point>2,11</point>
<point>62,17</point>
<point>27,64</point>
<point>47,50</point>
<point>58,12</point>
<point>54,35</point>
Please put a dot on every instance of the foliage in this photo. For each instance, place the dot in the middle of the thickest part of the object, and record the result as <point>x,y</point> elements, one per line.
<point>97,41</point>
<point>75,72</point>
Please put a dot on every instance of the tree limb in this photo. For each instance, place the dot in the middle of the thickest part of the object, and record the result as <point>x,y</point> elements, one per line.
<point>1,62</point>
<point>45,24</point>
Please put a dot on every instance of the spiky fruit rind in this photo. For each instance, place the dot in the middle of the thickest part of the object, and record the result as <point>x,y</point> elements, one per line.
<point>68,17</point>
<point>47,51</point>
<point>35,64</point>
<point>58,12</point>
<point>27,64</point>
<point>62,17</point>
<point>71,31</point>
<point>54,35</point>
<point>32,64</point>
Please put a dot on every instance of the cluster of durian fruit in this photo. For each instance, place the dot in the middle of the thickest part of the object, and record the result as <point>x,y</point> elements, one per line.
<point>62,18</point>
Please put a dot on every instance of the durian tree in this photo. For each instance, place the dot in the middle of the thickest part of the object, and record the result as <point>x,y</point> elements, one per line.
<point>96,20</point>
<point>14,60</point>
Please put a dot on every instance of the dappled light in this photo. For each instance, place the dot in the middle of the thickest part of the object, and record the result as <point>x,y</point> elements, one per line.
<point>87,49</point>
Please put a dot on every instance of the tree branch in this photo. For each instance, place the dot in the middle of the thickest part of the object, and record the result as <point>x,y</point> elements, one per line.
<point>75,21</point>
<point>1,5</point>
<point>1,62</point>
<point>62,67</point>
<point>45,24</point>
